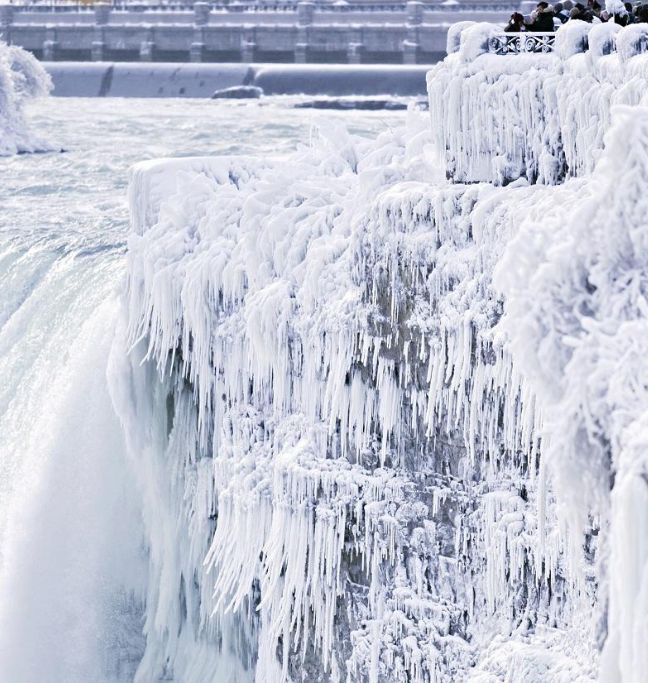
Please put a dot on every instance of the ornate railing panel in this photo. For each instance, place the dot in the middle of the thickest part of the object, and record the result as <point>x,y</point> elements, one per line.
<point>516,43</point>
<point>538,42</point>
<point>505,44</point>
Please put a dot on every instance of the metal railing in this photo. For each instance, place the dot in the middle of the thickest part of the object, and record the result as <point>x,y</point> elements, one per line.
<point>521,43</point>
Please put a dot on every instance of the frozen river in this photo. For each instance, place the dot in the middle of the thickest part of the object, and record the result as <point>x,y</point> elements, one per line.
<point>71,564</point>
<point>81,194</point>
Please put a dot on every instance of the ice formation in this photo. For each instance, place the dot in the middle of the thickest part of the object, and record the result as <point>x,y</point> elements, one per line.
<point>21,78</point>
<point>537,116</point>
<point>389,426</point>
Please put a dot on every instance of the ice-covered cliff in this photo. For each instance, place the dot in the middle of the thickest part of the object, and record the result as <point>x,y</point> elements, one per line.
<point>389,427</point>
<point>21,78</point>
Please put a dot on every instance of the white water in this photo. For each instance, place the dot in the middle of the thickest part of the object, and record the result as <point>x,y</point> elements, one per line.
<point>72,561</point>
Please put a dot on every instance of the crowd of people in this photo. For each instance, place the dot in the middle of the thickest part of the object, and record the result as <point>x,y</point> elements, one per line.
<point>547,18</point>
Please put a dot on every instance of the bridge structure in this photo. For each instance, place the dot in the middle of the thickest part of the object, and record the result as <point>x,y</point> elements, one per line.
<point>375,32</point>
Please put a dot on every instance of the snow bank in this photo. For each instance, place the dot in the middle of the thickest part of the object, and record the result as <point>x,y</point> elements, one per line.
<point>536,116</point>
<point>21,78</point>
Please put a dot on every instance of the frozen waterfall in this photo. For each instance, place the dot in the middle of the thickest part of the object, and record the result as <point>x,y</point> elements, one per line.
<point>371,411</point>
<point>72,558</point>
<point>72,565</point>
<point>364,446</point>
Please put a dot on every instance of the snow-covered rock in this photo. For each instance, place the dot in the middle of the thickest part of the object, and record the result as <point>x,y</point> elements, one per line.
<point>21,78</point>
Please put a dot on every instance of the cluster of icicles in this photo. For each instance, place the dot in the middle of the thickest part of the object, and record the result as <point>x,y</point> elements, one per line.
<point>382,411</point>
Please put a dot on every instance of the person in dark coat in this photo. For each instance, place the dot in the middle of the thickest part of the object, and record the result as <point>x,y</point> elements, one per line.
<point>580,12</point>
<point>560,13</point>
<point>595,8</point>
<point>542,18</point>
<point>516,23</point>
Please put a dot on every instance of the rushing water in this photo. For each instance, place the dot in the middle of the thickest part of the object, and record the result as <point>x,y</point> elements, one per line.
<point>72,568</point>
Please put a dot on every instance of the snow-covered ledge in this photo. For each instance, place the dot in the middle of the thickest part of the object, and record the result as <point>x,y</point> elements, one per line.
<point>542,116</point>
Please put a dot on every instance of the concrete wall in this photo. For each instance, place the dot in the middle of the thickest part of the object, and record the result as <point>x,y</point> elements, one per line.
<point>106,79</point>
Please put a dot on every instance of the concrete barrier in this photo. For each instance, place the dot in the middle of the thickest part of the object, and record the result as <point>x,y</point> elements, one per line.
<point>121,79</point>
<point>340,80</point>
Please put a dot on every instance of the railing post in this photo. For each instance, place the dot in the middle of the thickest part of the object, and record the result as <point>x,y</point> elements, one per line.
<point>147,47</point>
<point>201,13</point>
<point>414,11</point>
<point>248,46</point>
<point>301,53</point>
<point>411,46</point>
<point>197,47</point>
<point>98,48</point>
<point>50,44</point>
<point>102,17</point>
<point>354,53</point>
<point>410,52</point>
<point>201,19</point>
<point>6,19</point>
<point>305,12</point>
<point>102,13</point>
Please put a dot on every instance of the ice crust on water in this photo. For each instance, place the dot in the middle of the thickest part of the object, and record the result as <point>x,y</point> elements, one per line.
<point>21,78</point>
<point>389,427</point>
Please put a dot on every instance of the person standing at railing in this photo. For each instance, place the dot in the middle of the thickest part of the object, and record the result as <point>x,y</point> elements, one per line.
<point>561,12</point>
<point>641,13</point>
<point>516,23</point>
<point>631,15</point>
<point>542,18</point>
<point>596,9</point>
<point>581,13</point>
